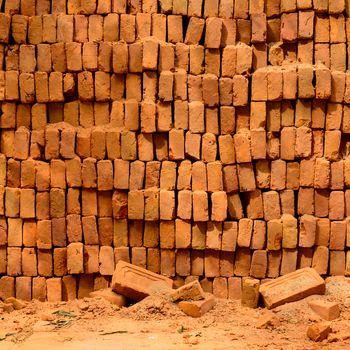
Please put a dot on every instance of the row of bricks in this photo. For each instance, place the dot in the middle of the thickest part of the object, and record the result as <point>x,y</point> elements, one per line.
<point>70,287</point>
<point>206,8</point>
<point>100,86</point>
<point>243,147</point>
<point>197,204</point>
<point>149,204</point>
<point>193,116</point>
<point>25,203</point>
<point>172,28</point>
<point>267,84</point>
<point>79,259</point>
<point>286,232</point>
<point>212,176</point>
<point>119,57</point>
<point>146,56</point>
<point>194,59</point>
<point>308,82</point>
<point>198,176</point>
<point>128,28</point>
<point>333,56</point>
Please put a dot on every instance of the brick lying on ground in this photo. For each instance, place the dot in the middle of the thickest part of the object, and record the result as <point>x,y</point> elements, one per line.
<point>326,309</point>
<point>292,287</point>
<point>197,308</point>
<point>137,283</point>
<point>190,291</point>
<point>319,331</point>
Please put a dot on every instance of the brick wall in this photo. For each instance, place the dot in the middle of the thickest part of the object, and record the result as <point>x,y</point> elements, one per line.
<point>201,139</point>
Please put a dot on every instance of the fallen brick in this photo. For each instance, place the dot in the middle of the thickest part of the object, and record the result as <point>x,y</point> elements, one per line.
<point>197,308</point>
<point>318,332</point>
<point>325,309</point>
<point>191,291</point>
<point>292,287</point>
<point>137,283</point>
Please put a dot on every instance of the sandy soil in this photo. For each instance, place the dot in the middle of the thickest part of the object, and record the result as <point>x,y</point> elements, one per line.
<point>156,324</point>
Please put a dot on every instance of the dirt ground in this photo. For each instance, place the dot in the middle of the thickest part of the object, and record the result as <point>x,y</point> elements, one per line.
<point>156,324</point>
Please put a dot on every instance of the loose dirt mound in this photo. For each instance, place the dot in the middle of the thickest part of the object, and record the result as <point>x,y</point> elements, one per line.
<point>154,307</point>
<point>157,323</point>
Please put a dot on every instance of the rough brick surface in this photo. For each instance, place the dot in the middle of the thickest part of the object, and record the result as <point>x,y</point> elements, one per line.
<point>292,287</point>
<point>128,133</point>
<point>136,283</point>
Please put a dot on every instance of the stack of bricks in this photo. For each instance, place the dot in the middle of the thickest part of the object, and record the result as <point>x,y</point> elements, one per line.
<point>200,139</point>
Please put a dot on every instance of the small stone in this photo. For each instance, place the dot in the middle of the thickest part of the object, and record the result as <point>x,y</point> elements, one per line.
<point>16,303</point>
<point>333,338</point>
<point>7,307</point>
<point>269,321</point>
<point>46,317</point>
<point>112,297</point>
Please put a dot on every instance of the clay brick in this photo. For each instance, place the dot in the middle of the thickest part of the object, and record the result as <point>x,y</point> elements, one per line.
<point>246,177</point>
<point>332,144</point>
<point>282,290</point>
<point>44,238</point>
<point>336,263</point>
<point>213,33</point>
<point>106,261</point>
<point>75,258</point>
<point>274,84</point>
<point>259,85</point>
<point>244,57</point>
<point>197,308</point>
<point>5,21</point>
<point>12,202</point>
<point>11,86</point>
<point>211,90</point>
<point>235,209</point>
<point>259,28</point>
<point>287,202</point>
<point>214,176</point>
<point>289,27</point>
<point>200,206</point>
<point>176,144</point>
<point>258,266</point>
<point>243,31</point>
<point>327,310</point>
<point>307,231</point>
<point>271,205</point>
<point>123,281</point>
<point>104,175</point>
<point>274,234</point>
<point>320,260</point>
<point>250,292</point>
<point>39,288</point>
<point>244,232</point>
<point>219,206</point>
<point>240,90</point>
<point>336,205</point>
